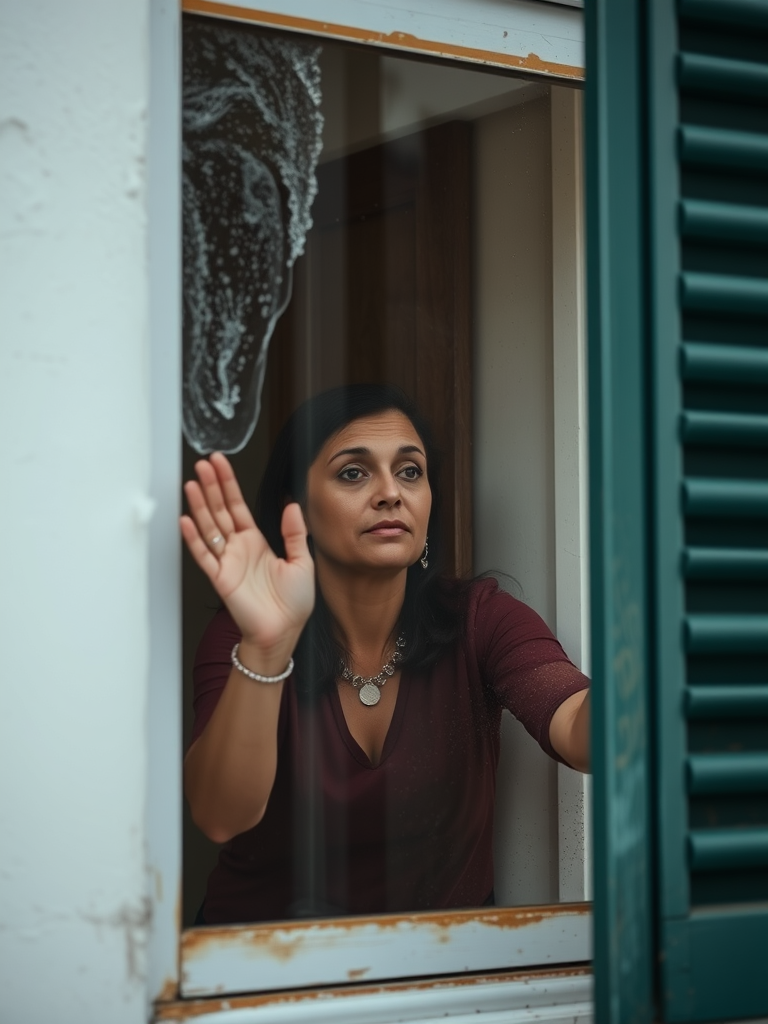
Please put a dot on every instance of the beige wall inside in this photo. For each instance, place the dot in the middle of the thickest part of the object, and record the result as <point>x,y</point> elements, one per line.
<point>514,450</point>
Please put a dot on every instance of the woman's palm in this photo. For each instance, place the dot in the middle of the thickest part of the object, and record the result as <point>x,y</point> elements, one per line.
<point>268,597</point>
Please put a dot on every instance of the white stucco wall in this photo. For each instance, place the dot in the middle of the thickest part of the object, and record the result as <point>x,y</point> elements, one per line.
<point>74,466</point>
<point>74,483</point>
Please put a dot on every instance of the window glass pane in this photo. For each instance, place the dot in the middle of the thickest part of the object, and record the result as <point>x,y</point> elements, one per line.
<point>353,217</point>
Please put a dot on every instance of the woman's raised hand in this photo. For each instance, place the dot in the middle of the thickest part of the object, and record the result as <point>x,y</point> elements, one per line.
<point>269,598</point>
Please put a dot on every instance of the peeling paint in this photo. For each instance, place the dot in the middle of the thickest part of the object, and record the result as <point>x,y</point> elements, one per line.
<point>304,954</point>
<point>143,509</point>
<point>169,991</point>
<point>134,921</point>
<point>286,939</point>
<point>399,40</point>
<point>190,1009</point>
<point>355,975</point>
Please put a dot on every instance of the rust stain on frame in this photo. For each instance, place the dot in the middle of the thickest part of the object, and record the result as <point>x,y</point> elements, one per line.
<point>193,1008</point>
<point>356,974</point>
<point>168,991</point>
<point>531,62</point>
<point>285,939</point>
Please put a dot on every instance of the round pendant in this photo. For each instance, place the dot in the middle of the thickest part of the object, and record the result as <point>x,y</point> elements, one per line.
<point>370,694</point>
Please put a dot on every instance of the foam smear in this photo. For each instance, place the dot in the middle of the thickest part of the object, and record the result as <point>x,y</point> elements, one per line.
<point>252,136</point>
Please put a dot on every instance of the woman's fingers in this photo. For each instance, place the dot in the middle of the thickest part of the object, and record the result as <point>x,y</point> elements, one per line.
<point>208,479</point>
<point>207,527</point>
<point>220,515</point>
<point>294,531</point>
<point>233,496</point>
<point>199,550</point>
<point>265,594</point>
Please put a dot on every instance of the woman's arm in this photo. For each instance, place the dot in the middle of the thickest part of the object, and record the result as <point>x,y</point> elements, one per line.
<point>530,673</point>
<point>230,769</point>
<point>569,730</point>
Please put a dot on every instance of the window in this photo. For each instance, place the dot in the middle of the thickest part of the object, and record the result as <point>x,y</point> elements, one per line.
<point>634,119</point>
<point>559,369</point>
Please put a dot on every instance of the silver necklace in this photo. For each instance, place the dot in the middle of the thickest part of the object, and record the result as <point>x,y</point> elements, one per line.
<point>369,687</point>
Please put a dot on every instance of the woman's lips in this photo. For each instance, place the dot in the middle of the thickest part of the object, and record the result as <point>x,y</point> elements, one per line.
<point>388,528</point>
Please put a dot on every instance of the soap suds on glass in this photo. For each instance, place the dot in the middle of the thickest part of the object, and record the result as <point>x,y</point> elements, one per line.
<point>251,140</point>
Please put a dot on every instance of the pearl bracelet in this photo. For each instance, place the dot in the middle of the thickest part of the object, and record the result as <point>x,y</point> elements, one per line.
<point>255,675</point>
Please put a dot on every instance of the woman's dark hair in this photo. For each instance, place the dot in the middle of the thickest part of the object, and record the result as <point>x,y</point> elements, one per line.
<point>430,617</point>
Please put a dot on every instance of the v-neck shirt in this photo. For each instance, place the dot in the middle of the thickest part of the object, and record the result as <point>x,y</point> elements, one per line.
<point>392,732</point>
<point>415,831</point>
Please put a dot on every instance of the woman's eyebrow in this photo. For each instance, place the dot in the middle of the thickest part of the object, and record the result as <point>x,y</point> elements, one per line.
<point>404,449</point>
<point>349,451</point>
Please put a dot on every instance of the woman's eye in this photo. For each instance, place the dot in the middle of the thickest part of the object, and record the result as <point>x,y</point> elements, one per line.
<point>411,472</point>
<point>351,473</point>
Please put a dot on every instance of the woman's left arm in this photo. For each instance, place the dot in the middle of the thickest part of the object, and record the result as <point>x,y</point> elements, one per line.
<point>569,730</point>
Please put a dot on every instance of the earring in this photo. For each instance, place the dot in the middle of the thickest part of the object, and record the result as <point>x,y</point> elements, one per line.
<point>424,562</point>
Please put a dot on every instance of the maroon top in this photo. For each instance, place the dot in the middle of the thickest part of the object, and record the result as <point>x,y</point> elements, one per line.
<point>415,832</point>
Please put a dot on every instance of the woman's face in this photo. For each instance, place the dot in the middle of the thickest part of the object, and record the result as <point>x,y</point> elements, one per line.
<point>368,496</point>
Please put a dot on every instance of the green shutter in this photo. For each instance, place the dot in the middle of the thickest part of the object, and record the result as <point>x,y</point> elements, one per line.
<point>677,245</point>
<point>708,262</point>
<point>621,748</point>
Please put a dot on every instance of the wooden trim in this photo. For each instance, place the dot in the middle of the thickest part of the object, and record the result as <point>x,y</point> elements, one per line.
<point>530,63</point>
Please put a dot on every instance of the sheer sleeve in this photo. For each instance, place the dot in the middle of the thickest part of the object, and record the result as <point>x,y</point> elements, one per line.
<point>521,661</point>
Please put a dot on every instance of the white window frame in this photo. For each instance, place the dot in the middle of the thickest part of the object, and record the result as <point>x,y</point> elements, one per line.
<point>539,39</point>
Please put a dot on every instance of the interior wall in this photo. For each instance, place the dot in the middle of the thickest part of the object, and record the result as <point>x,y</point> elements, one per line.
<point>514,457</point>
<point>369,97</point>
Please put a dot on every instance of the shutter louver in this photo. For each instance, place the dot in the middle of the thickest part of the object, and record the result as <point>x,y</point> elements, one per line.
<point>708,131</point>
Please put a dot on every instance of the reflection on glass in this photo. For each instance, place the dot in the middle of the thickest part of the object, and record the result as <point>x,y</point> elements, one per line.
<point>428,265</point>
<point>252,129</point>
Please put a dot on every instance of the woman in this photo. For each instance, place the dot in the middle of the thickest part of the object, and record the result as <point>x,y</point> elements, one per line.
<point>364,780</point>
